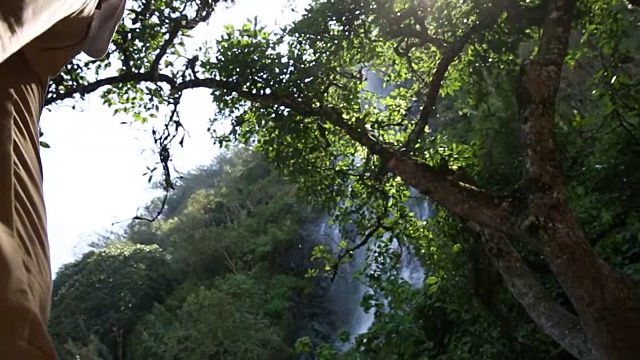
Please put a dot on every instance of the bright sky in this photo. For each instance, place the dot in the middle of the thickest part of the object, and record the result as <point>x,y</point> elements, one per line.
<point>93,170</point>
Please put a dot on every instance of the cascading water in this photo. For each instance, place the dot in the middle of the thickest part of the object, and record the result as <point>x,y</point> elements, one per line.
<point>411,269</point>
<point>347,290</point>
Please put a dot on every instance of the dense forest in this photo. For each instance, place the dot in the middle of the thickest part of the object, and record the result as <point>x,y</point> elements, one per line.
<point>515,123</point>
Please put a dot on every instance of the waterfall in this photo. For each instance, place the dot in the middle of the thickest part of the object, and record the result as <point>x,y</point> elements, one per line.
<point>411,269</point>
<point>346,291</point>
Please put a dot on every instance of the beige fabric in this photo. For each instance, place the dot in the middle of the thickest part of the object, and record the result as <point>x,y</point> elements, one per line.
<point>32,51</point>
<point>106,20</point>
<point>21,21</point>
<point>52,50</point>
<point>25,277</point>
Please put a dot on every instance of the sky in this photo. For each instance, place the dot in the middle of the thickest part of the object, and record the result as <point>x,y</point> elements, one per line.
<point>93,172</point>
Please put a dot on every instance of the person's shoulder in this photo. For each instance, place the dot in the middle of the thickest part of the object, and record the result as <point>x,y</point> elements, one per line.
<point>89,29</point>
<point>25,21</point>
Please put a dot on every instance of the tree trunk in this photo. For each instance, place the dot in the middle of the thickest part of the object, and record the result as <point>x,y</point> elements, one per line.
<point>606,302</point>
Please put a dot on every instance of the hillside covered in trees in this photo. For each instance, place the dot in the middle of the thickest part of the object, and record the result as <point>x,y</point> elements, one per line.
<point>518,122</point>
<point>214,277</point>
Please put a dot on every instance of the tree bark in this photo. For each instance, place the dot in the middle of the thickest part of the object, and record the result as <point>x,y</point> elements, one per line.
<point>606,302</point>
<point>553,319</point>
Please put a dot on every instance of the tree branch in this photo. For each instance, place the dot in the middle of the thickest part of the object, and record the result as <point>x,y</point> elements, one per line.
<point>465,201</point>
<point>468,202</point>
<point>181,23</point>
<point>494,212</point>
<point>350,250</point>
<point>174,30</point>
<point>124,78</point>
<point>398,29</point>
<point>552,318</point>
<point>449,54</point>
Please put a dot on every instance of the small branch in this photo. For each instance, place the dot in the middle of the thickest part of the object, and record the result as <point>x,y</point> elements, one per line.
<point>449,55</point>
<point>379,225</point>
<point>174,30</point>
<point>179,24</point>
<point>448,58</point>
<point>398,29</point>
<point>349,251</point>
<point>230,262</point>
<point>157,214</point>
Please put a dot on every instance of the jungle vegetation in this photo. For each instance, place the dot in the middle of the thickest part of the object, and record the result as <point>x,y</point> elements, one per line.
<point>517,120</point>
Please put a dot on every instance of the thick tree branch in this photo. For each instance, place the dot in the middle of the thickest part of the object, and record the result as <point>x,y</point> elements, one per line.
<point>124,78</point>
<point>494,212</point>
<point>552,318</point>
<point>465,201</point>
